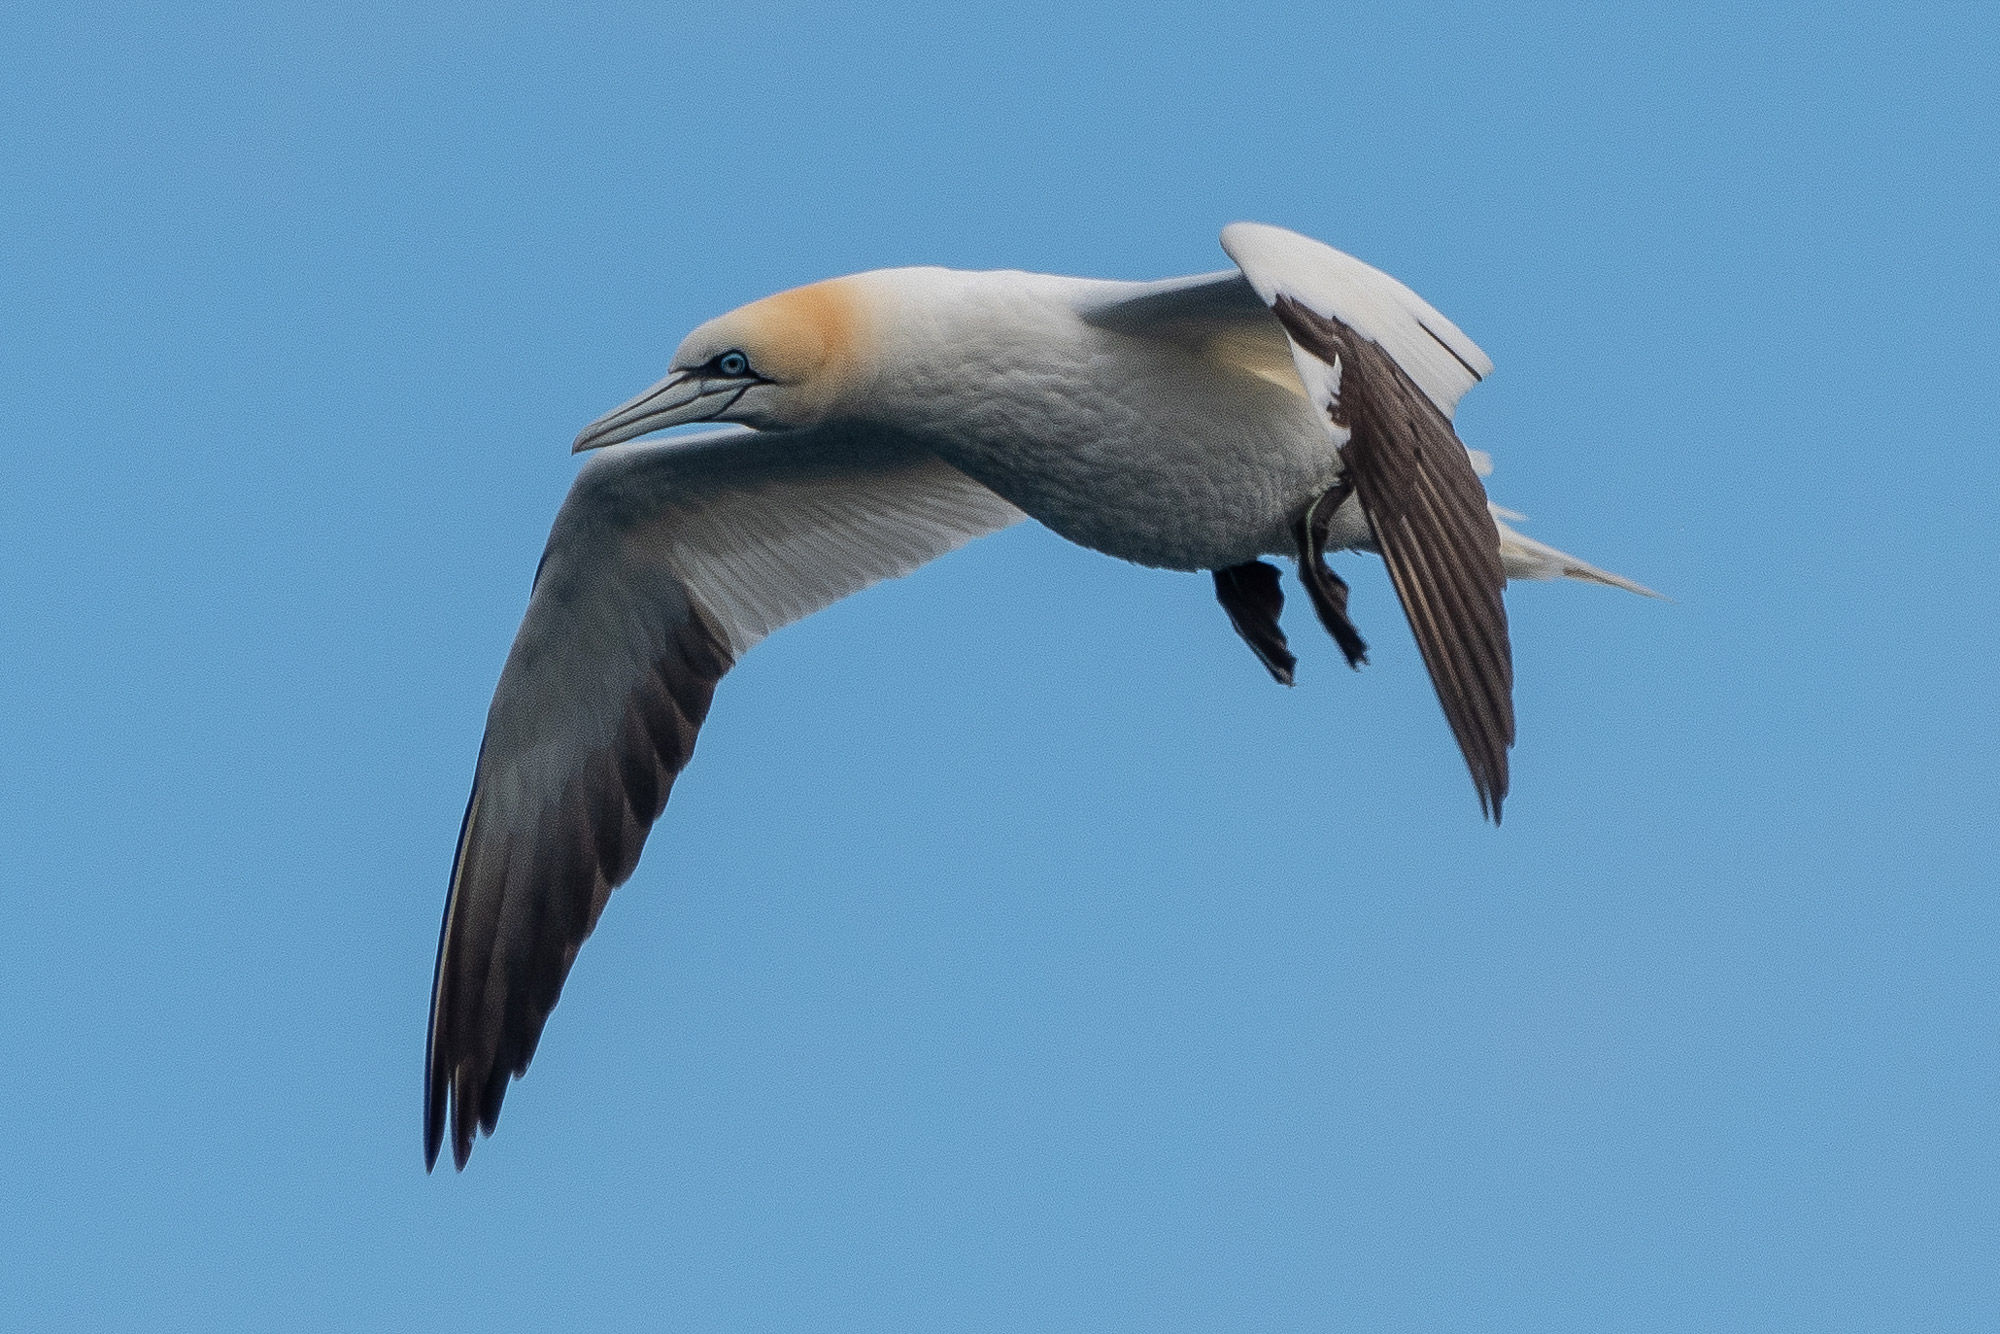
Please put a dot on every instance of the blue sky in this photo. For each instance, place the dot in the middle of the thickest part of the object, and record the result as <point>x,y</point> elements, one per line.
<point>1014,955</point>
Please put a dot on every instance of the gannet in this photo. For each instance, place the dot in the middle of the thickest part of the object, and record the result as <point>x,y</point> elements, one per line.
<point>1298,403</point>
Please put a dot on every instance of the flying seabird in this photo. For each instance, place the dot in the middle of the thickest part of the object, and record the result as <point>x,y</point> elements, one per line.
<point>1296,404</point>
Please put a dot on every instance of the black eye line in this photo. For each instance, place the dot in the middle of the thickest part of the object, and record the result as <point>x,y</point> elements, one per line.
<point>740,392</point>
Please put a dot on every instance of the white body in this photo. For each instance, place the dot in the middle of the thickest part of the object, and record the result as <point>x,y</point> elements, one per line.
<point>1141,448</point>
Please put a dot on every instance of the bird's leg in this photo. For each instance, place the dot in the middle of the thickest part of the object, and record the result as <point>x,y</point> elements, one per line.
<point>1250,594</point>
<point>1327,589</point>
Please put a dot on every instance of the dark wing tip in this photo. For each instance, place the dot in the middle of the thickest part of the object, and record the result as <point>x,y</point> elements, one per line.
<point>1492,792</point>
<point>1462,637</point>
<point>433,1124</point>
<point>436,1078</point>
<point>527,887</point>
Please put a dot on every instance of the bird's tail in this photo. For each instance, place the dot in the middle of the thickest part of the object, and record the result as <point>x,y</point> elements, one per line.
<point>1525,558</point>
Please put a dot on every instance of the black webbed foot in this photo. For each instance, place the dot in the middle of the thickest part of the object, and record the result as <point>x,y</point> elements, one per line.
<point>1251,595</point>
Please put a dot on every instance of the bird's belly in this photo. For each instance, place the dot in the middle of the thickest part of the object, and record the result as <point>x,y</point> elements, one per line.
<point>1174,518</point>
<point>1178,484</point>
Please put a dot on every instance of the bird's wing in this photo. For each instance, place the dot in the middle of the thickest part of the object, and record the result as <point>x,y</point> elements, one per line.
<point>1198,304</point>
<point>667,562</point>
<point>1427,347</point>
<point>1216,316</point>
<point>1388,370</point>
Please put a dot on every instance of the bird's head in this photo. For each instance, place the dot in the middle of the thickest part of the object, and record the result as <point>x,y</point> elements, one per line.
<point>783,362</point>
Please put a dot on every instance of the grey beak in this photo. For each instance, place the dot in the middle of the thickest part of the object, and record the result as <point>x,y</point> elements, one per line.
<point>671,402</point>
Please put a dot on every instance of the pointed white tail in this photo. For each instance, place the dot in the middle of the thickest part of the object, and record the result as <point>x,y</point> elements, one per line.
<point>1525,558</point>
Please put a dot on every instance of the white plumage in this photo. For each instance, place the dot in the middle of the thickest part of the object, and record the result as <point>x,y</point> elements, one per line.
<point>1296,404</point>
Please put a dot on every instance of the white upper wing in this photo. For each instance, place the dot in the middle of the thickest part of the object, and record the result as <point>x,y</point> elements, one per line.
<point>1429,348</point>
<point>1227,315</point>
<point>1195,307</point>
<point>668,561</point>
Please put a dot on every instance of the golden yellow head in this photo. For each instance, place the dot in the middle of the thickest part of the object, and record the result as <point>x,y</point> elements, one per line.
<point>791,338</point>
<point>785,361</point>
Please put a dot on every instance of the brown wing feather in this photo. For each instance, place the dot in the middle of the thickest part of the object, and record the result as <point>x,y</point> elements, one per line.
<point>1429,515</point>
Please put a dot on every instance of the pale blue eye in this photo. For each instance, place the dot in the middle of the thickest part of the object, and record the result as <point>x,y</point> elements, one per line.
<point>732,363</point>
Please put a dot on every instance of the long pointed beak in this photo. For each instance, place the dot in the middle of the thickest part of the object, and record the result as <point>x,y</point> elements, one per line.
<point>678,399</point>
